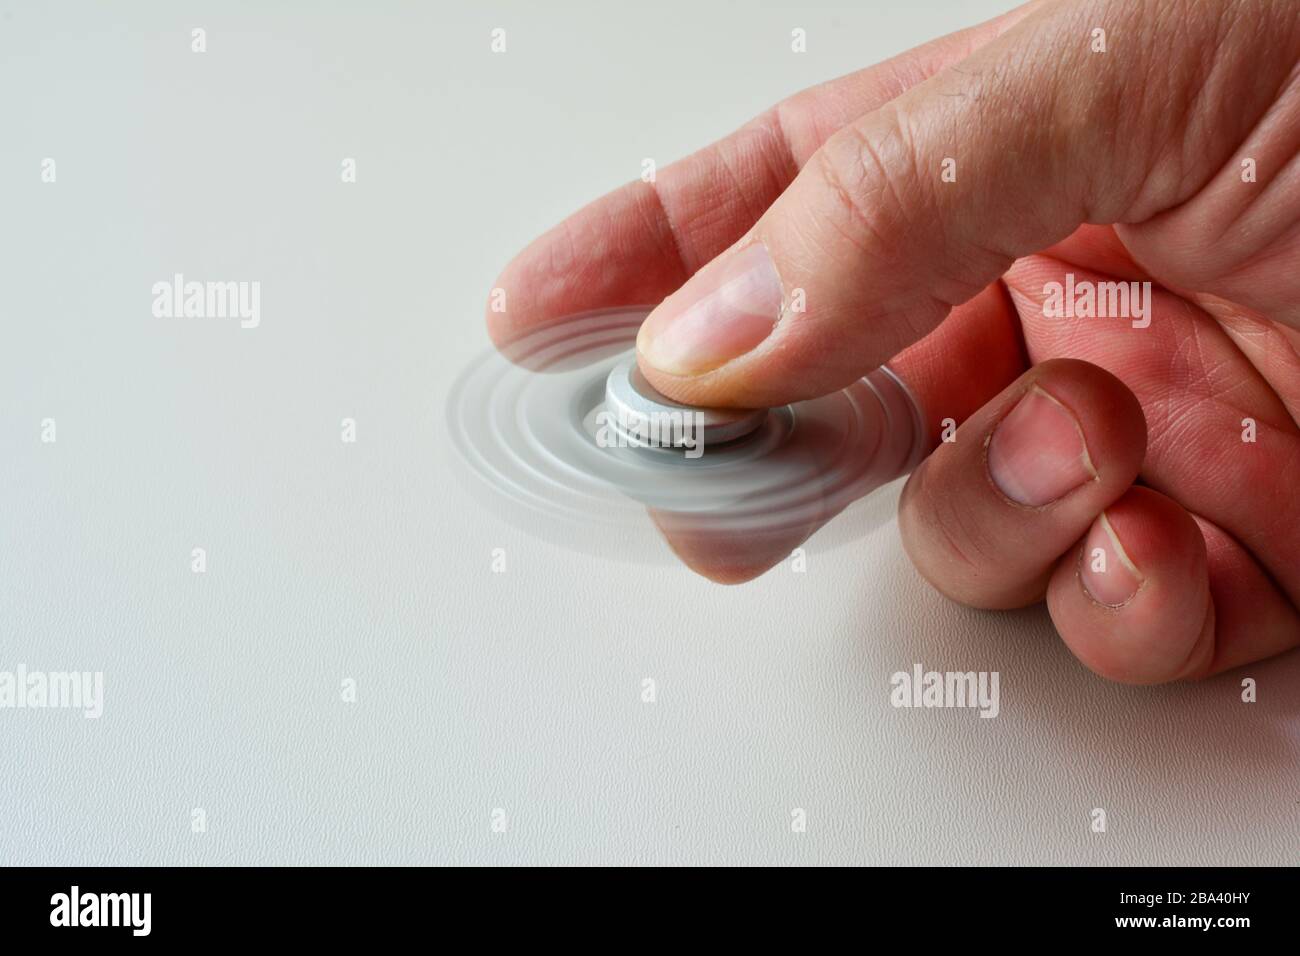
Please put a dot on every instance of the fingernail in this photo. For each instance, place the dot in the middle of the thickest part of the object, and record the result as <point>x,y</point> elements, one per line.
<point>1037,453</point>
<point>1109,576</point>
<point>725,310</point>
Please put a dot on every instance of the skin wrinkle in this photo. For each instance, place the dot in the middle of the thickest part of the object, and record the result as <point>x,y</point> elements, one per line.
<point>801,114</point>
<point>1204,647</point>
<point>1183,426</point>
<point>1169,142</point>
<point>560,255</point>
<point>1233,319</point>
<point>780,133</point>
<point>1267,348</point>
<point>1203,129</point>
<point>1188,386</point>
<point>918,322</point>
<point>662,228</point>
<point>991,89</point>
<point>939,514</point>
<point>867,151</point>
<point>1277,249</point>
<point>1290,601</point>
<point>865,155</point>
<point>1067,125</point>
<point>1204,126</point>
<point>1213,228</point>
<point>955,290</point>
<point>1098,177</point>
<point>999,258</point>
<point>1205,118</point>
<point>768,129</point>
<point>900,129</point>
<point>726,161</point>
<point>1199,375</point>
<point>831,172</point>
<point>1219,542</point>
<point>1239,225</point>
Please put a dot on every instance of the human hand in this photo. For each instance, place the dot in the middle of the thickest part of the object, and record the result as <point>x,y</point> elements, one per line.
<point>1134,471</point>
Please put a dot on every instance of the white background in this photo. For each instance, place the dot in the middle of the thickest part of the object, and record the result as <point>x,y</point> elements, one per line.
<point>326,561</point>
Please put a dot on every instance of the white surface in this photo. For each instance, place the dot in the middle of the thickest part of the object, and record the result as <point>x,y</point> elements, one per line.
<point>476,690</point>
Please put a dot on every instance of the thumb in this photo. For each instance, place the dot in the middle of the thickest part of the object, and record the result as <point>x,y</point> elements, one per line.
<point>1098,112</point>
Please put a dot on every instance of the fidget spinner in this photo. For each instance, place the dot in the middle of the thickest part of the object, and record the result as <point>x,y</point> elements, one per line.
<point>563,436</point>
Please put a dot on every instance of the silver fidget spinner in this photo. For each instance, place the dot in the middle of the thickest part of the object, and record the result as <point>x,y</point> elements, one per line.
<point>636,409</point>
<point>563,438</point>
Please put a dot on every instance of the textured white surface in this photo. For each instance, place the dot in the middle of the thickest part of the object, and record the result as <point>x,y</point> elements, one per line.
<point>521,690</point>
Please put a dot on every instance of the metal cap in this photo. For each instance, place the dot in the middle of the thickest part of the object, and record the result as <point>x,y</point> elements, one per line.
<point>637,407</point>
